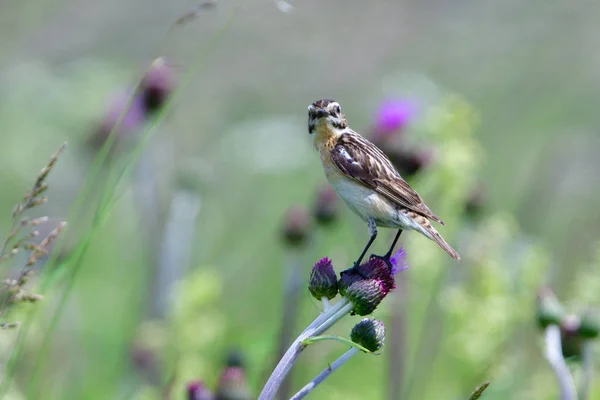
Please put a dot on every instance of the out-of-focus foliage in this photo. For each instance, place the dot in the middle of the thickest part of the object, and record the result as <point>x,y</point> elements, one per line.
<point>188,343</point>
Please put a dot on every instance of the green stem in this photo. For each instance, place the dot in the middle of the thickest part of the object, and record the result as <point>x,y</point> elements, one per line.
<point>100,216</point>
<point>587,373</point>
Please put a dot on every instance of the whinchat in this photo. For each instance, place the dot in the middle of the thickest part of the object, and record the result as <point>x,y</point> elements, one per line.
<point>364,177</point>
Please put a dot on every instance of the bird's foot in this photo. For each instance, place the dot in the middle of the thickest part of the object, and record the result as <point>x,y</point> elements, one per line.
<point>355,270</point>
<point>385,258</point>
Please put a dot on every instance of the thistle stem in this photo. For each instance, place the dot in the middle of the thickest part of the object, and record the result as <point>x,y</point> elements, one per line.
<point>323,322</point>
<point>326,303</point>
<point>325,374</point>
<point>588,370</point>
<point>558,364</point>
<point>293,266</point>
<point>175,251</point>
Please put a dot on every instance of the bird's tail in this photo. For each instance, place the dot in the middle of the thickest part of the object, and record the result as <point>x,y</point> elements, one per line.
<point>429,231</point>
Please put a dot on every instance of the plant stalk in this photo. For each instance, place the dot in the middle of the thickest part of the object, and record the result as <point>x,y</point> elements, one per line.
<point>323,322</point>
<point>325,374</point>
<point>558,364</point>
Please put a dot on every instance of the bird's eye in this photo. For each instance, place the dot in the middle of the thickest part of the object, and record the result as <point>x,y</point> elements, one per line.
<point>338,109</point>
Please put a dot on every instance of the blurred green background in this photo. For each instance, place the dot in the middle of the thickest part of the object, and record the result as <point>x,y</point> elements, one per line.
<point>508,92</point>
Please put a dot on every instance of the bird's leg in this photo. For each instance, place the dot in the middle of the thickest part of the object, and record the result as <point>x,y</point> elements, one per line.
<point>388,255</point>
<point>373,233</point>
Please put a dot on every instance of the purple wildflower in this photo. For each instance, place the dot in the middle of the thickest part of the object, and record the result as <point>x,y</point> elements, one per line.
<point>133,116</point>
<point>157,85</point>
<point>378,269</point>
<point>196,390</point>
<point>398,261</point>
<point>323,280</point>
<point>326,205</point>
<point>232,385</point>
<point>391,116</point>
<point>296,226</point>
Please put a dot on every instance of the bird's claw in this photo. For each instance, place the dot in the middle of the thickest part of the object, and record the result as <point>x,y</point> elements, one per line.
<point>354,269</point>
<point>385,258</point>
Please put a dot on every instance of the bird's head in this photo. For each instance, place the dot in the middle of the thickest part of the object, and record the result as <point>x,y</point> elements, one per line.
<point>326,114</point>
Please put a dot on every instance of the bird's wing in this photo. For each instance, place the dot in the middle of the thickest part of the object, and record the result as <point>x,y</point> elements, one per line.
<point>361,160</point>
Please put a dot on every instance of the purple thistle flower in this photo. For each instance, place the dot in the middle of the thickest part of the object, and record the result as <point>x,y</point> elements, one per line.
<point>393,115</point>
<point>196,390</point>
<point>368,284</point>
<point>378,269</point>
<point>398,261</point>
<point>326,205</point>
<point>232,385</point>
<point>157,85</point>
<point>134,115</point>
<point>296,226</point>
<point>323,280</point>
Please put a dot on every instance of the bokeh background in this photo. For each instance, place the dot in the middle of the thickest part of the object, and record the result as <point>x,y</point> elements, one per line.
<point>190,264</point>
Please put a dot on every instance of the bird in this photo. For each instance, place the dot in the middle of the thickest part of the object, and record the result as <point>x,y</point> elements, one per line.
<point>367,181</point>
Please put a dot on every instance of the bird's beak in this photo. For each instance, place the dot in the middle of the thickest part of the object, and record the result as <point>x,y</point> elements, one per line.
<point>320,113</point>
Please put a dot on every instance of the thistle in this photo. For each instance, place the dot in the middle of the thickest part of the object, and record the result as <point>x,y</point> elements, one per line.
<point>367,285</point>
<point>326,207</point>
<point>323,281</point>
<point>362,289</point>
<point>296,227</point>
<point>196,390</point>
<point>391,117</point>
<point>369,333</point>
<point>549,311</point>
<point>233,384</point>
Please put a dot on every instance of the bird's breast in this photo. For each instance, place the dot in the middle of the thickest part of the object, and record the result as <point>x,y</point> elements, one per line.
<point>363,201</point>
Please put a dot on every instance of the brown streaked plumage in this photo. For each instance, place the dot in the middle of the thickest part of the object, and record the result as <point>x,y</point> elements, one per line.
<point>364,177</point>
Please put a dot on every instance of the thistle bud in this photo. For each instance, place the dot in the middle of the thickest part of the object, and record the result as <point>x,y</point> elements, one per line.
<point>326,206</point>
<point>369,333</point>
<point>196,390</point>
<point>571,341</point>
<point>368,284</point>
<point>296,226</point>
<point>475,201</point>
<point>157,84</point>
<point>234,359</point>
<point>323,280</point>
<point>233,385</point>
<point>588,326</point>
<point>378,268</point>
<point>549,310</point>
<point>365,294</point>
<point>408,162</point>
